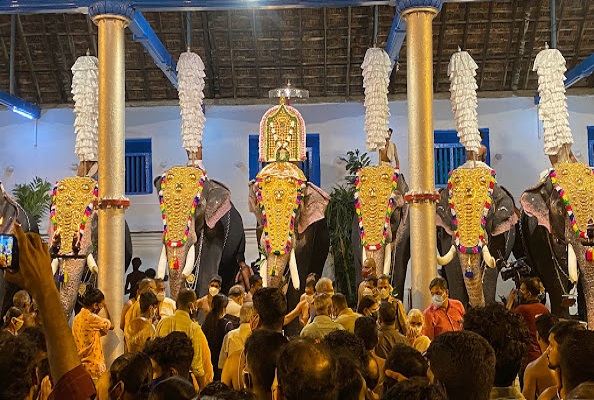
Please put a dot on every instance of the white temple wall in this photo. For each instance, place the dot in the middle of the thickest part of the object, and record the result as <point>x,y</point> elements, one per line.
<point>46,147</point>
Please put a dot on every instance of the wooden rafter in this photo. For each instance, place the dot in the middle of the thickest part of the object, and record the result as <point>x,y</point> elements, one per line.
<point>145,78</point>
<point>440,41</point>
<point>517,64</point>
<point>578,39</point>
<point>531,44</point>
<point>256,58</point>
<point>348,65</point>
<point>230,39</point>
<point>92,41</point>
<point>466,24</point>
<point>559,16</point>
<point>325,52</point>
<point>28,59</point>
<point>70,39</point>
<point>55,68</point>
<point>208,41</point>
<point>65,67</point>
<point>512,25</point>
<point>486,45</point>
<point>301,47</point>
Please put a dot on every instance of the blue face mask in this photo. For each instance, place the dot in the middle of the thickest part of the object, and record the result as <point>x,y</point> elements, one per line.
<point>159,379</point>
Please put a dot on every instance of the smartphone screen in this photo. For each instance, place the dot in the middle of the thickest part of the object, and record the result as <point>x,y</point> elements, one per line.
<point>6,248</point>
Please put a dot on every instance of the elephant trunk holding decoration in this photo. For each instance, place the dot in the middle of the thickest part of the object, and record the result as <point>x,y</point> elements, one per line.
<point>563,204</point>
<point>478,217</point>
<point>381,230</point>
<point>192,206</point>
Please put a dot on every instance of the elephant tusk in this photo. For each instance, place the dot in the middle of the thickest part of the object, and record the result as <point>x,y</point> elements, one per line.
<point>162,264</point>
<point>92,264</point>
<point>264,272</point>
<point>293,270</point>
<point>55,265</point>
<point>448,257</point>
<point>363,255</point>
<point>387,258</point>
<point>190,258</point>
<point>572,264</point>
<point>489,260</point>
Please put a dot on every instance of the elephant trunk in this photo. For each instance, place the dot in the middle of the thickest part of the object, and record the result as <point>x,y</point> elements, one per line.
<point>176,257</point>
<point>380,259</point>
<point>473,278</point>
<point>72,269</point>
<point>275,269</point>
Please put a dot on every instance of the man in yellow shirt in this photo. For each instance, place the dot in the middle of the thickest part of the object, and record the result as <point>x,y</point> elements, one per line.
<point>180,321</point>
<point>131,309</point>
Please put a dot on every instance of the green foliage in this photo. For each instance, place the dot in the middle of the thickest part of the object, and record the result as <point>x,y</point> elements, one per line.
<point>34,197</point>
<point>354,162</point>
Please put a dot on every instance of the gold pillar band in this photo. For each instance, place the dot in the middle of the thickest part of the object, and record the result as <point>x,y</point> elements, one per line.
<point>419,56</point>
<point>111,172</point>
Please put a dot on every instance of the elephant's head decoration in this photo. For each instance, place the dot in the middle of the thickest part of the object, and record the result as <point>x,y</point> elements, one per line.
<point>188,200</point>
<point>73,220</point>
<point>563,202</point>
<point>378,194</point>
<point>472,210</point>
<point>285,205</point>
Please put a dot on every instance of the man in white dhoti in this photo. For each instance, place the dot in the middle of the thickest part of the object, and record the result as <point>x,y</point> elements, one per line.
<point>388,154</point>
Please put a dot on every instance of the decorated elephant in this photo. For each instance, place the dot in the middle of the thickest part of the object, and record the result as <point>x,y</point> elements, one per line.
<point>381,230</point>
<point>11,211</point>
<point>203,232</point>
<point>478,218</point>
<point>73,230</point>
<point>563,206</point>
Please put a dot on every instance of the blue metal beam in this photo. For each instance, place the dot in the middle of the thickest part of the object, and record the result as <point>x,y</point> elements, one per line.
<point>395,39</point>
<point>20,106</point>
<point>146,36</point>
<point>61,6</point>
<point>582,70</point>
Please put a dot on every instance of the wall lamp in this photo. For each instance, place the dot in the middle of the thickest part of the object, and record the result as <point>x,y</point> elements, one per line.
<point>20,106</point>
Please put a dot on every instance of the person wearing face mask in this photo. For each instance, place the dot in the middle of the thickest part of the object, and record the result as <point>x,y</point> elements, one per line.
<point>166,305</point>
<point>369,307</point>
<point>13,321</point>
<point>181,321</point>
<point>140,330</point>
<point>414,333</point>
<point>385,289</point>
<point>204,304</point>
<point>344,315</point>
<point>131,309</point>
<point>303,308</point>
<point>370,288</point>
<point>128,378</point>
<point>444,314</point>
<point>88,327</point>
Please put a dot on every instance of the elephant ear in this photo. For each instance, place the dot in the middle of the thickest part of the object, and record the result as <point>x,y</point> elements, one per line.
<point>313,206</point>
<point>8,202</point>
<point>401,190</point>
<point>504,215</point>
<point>218,202</point>
<point>253,206</point>
<point>535,202</point>
<point>443,217</point>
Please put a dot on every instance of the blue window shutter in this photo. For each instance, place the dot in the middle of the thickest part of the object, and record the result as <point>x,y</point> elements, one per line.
<point>254,154</point>
<point>591,146</point>
<point>139,166</point>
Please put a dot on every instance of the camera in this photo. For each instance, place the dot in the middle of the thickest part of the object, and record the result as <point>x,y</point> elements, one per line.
<point>9,255</point>
<point>515,270</point>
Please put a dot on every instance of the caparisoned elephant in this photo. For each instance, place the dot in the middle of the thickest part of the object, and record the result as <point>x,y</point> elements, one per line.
<point>11,211</point>
<point>479,218</point>
<point>563,203</point>
<point>73,230</point>
<point>376,187</point>
<point>200,224</point>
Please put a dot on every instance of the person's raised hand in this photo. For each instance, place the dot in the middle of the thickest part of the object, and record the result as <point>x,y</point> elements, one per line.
<point>35,271</point>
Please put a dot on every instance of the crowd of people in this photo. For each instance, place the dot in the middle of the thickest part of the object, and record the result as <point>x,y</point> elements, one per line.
<point>232,346</point>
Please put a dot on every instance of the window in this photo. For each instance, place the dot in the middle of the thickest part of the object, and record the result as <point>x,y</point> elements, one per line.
<point>450,154</point>
<point>310,167</point>
<point>591,145</point>
<point>139,167</point>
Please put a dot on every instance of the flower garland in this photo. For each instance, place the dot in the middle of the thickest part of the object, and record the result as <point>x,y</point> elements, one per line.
<point>377,246</point>
<point>581,234</point>
<point>179,243</point>
<point>86,215</point>
<point>474,249</point>
<point>287,248</point>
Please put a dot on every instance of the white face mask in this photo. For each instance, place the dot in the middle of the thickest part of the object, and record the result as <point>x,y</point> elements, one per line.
<point>385,293</point>
<point>367,292</point>
<point>414,331</point>
<point>437,300</point>
<point>160,296</point>
<point>213,291</point>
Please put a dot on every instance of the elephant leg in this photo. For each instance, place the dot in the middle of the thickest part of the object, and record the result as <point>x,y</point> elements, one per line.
<point>210,256</point>
<point>400,266</point>
<point>490,284</point>
<point>69,291</point>
<point>581,300</point>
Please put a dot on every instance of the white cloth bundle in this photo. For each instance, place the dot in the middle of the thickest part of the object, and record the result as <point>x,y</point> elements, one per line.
<point>376,78</point>
<point>462,73</point>
<point>85,93</point>
<point>549,64</point>
<point>190,75</point>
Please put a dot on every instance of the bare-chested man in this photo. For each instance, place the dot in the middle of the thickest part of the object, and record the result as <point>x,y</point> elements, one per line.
<point>538,376</point>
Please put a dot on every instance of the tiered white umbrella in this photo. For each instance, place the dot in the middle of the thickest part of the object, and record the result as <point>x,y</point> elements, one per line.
<point>549,64</point>
<point>462,73</point>
<point>190,74</point>
<point>376,78</point>
<point>85,93</point>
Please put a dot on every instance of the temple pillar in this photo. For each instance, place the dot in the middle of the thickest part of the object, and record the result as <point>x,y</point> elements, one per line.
<point>422,196</point>
<point>112,18</point>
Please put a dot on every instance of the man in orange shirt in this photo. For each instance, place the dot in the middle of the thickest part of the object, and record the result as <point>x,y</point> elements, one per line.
<point>87,329</point>
<point>444,314</point>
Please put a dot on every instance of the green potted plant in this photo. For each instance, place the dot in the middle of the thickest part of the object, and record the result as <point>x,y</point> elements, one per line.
<point>35,197</point>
